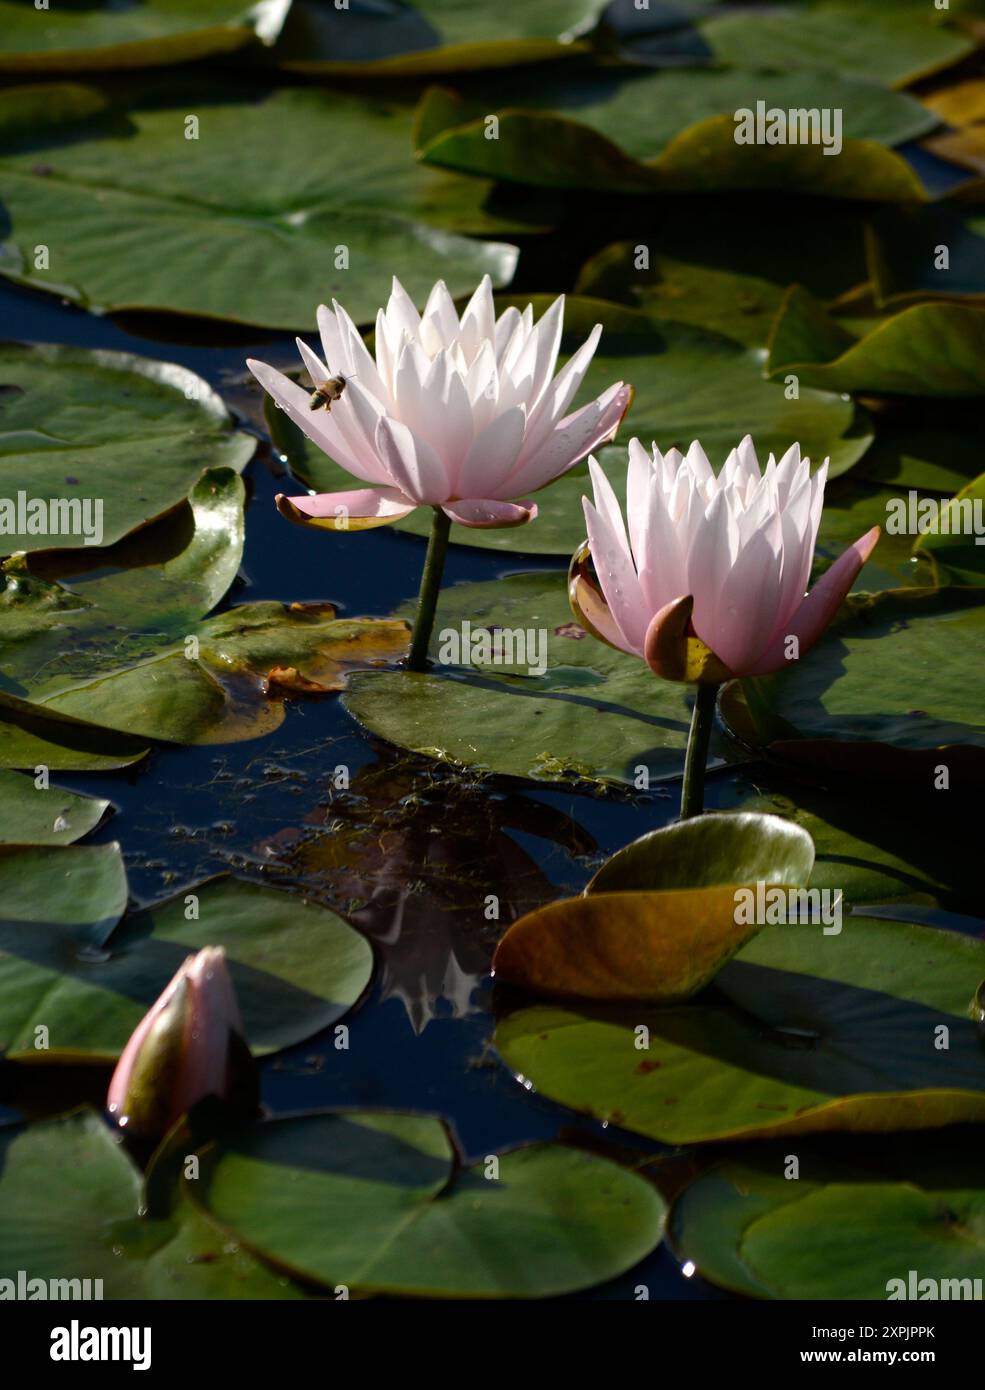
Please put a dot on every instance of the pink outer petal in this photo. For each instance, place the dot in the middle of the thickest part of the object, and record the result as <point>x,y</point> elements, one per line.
<point>484,514</point>
<point>588,602</point>
<point>818,608</point>
<point>213,1014</point>
<point>319,425</point>
<point>119,1084</point>
<point>361,510</point>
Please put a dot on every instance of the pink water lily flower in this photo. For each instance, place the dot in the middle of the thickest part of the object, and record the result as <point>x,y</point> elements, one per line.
<point>709,581</point>
<point>188,1045</point>
<point>463,413</point>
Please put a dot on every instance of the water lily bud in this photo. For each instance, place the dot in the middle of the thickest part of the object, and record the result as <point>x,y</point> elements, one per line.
<point>189,1045</point>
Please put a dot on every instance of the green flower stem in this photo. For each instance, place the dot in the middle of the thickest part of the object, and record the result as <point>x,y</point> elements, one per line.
<point>427,602</point>
<point>696,758</point>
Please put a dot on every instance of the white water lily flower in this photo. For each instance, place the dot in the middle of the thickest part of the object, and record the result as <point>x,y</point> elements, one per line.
<point>460,413</point>
<point>709,579</point>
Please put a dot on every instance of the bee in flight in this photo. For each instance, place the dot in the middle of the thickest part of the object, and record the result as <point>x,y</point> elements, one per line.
<point>326,392</point>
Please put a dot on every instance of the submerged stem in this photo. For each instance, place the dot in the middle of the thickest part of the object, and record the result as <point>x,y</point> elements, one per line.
<point>696,758</point>
<point>427,602</point>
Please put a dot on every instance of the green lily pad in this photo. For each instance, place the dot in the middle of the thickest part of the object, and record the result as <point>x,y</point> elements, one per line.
<point>59,890</point>
<point>32,815</point>
<point>942,456</point>
<point>741,307</point>
<point>689,384</point>
<point>841,1229</point>
<point>802,1033</point>
<point>33,737</point>
<point>774,241</point>
<point>710,850</point>
<point>129,598</point>
<point>128,434</point>
<point>905,251</point>
<point>890,856</point>
<point>896,669</point>
<point>953,542</point>
<point>106,35</point>
<point>296,967</point>
<point>851,508</point>
<point>596,715</point>
<point>376,1203</point>
<point>222,682</point>
<point>623,131</point>
<point>925,350</point>
<point>429,36</point>
<point>880,43</point>
<point>69,1197</point>
<point>253,202</point>
<point>705,159</point>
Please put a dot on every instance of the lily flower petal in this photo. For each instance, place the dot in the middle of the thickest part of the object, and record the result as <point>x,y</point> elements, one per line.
<point>359,510</point>
<point>485,513</point>
<point>818,607</point>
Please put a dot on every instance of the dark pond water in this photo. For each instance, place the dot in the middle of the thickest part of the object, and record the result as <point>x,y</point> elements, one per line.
<point>407,853</point>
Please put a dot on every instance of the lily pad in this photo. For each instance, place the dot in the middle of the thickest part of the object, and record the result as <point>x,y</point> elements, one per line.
<point>688,384</point>
<point>934,251</point>
<point>958,103</point>
<point>389,38</point>
<point>885,43</point>
<point>655,947</point>
<point>925,350</point>
<point>69,1197</point>
<point>658,920</point>
<point>107,35</point>
<point>841,1229</point>
<point>33,737</point>
<point>241,216</point>
<point>953,542</point>
<point>375,1202</point>
<point>879,854</point>
<point>113,438</point>
<point>623,131</point>
<point>774,240</point>
<point>851,507</point>
<point>941,455</point>
<point>708,851</point>
<point>596,715</point>
<point>123,600</point>
<point>895,670</point>
<point>706,159</point>
<point>222,682</point>
<point>296,967</point>
<point>802,1033</point>
<point>741,307</point>
<point>60,890</point>
<point>33,815</point>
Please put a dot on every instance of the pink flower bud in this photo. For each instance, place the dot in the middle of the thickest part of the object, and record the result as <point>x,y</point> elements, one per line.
<point>187,1046</point>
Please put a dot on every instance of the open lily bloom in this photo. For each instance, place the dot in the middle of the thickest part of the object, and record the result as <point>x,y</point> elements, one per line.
<point>464,414</point>
<point>708,582</point>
